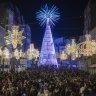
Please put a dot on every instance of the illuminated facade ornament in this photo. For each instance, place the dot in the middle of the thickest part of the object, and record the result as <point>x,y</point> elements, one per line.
<point>71,47</point>
<point>63,56</point>
<point>36,53</point>
<point>21,54</point>
<point>88,47</point>
<point>15,37</point>
<point>30,51</point>
<point>16,54</point>
<point>6,53</point>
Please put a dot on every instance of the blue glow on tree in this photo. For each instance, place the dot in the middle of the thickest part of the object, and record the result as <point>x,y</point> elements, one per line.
<point>48,17</point>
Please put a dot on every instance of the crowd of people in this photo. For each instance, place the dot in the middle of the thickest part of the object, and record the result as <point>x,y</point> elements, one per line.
<point>47,81</point>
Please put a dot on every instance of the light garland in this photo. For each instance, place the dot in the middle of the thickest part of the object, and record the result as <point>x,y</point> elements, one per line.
<point>72,49</point>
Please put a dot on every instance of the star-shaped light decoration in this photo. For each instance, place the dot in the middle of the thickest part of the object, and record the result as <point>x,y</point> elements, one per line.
<point>30,51</point>
<point>15,37</point>
<point>48,13</point>
<point>16,54</point>
<point>63,56</point>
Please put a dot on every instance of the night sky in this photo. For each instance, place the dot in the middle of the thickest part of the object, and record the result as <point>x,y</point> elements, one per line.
<point>70,24</point>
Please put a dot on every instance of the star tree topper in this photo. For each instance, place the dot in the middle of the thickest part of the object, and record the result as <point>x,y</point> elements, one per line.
<point>46,13</point>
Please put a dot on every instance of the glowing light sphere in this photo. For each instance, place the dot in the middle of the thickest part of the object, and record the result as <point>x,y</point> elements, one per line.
<point>45,13</point>
<point>88,47</point>
<point>30,51</point>
<point>72,47</point>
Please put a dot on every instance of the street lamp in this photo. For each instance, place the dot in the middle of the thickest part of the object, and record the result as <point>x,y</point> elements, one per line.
<point>32,53</point>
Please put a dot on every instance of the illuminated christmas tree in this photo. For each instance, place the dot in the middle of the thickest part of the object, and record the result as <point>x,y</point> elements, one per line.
<point>48,17</point>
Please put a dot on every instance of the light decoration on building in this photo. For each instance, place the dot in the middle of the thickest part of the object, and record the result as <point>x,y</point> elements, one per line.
<point>88,47</point>
<point>30,51</point>
<point>72,49</point>
<point>6,53</point>
<point>36,53</point>
<point>48,17</point>
<point>22,54</point>
<point>15,36</point>
<point>16,54</point>
<point>63,55</point>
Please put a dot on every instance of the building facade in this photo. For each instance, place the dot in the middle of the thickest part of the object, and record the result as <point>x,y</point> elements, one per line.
<point>10,15</point>
<point>60,44</point>
<point>89,28</point>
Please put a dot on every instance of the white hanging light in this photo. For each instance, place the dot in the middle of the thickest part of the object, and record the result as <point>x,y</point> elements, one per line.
<point>30,51</point>
<point>15,36</point>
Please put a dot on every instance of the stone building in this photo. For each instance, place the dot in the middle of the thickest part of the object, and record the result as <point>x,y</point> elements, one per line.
<point>89,28</point>
<point>10,15</point>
